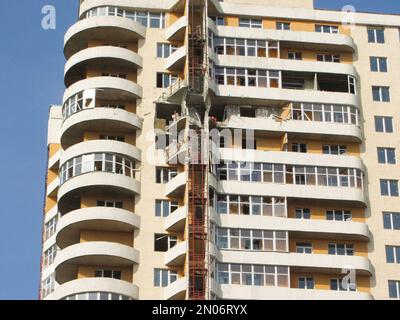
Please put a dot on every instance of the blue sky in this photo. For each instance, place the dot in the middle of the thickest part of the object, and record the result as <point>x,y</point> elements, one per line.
<point>31,79</point>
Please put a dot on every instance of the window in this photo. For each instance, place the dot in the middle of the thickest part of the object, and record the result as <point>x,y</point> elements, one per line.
<point>378,64</point>
<point>392,254</point>
<point>338,285</point>
<point>114,138</point>
<point>219,21</point>
<point>164,50</point>
<point>299,147</point>
<point>326,28</point>
<point>334,150</point>
<point>295,56</point>
<point>384,124</point>
<point>164,277</point>
<point>306,283</point>
<point>248,112</point>
<point>49,255</point>
<point>252,275</point>
<point>48,286</point>
<point>376,35</point>
<point>282,26</point>
<point>165,207</point>
<point>324,113</point>
<point>248,77</point>
<point>381,94</point>
<point>338,215</point>
<point>104,162</point>
<point>303,213</point>
<point>114,274</point>
<point>391,220</point>
<point>164,242</point>
<point>341,249</point>
<point>110,204</point>
<point>50,227</point>
<point>164,80</point>
<point>326,57</point>
<point>387,155</point>
<point>252,240</point>
<point>164,175</point>
<point>72,105</point>
<point>251,205</point>
<point>304,247</point>
<point>250,23</point>
<point>394,289</point>
<point>389,188</point>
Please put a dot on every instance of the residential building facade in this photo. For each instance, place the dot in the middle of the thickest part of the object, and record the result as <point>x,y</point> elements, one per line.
<point>228,149</point>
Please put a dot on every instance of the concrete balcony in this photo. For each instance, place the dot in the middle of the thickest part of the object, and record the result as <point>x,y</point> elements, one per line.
<point>100,57</point>
<point>319,229</point>
<point>176,186</point>
<point>176,221</point>
<point>108,28</point>
<point>310,262</point>
<point>177,31</point>
<point>176,290</point>
<point>307,129</point>
<point>291,158</point>
<point>52,188</point>
<point>105,254</point>
<point>101,119</point>
<point>97,182</point>
<point>54,160</point>
<point>239,292</point>
<point>294,39</point>
<point>255,95</point>
<point>176,153</point>
<point>283,64</point>
<point>123,89</point>
<point>107,146</point>
<point>85,285</point>
<point>350,196</point>
<point>176,255</point>
<point>176,61</point>
<point>95,218</point>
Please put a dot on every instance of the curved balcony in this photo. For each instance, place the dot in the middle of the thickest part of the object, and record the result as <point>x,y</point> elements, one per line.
<point>121,89</point>
<point>109,28</point>
<point>139,4</point>
<point>255,95</point>
<point>100,57</point>
<point>176,255</point>
<point>176,153</point>
<point>176,186</point>
<point>234,292</point>
<point>52,188</point>
<point>177,30</point>
<point>176,220</point>
<point>100,119</point>
<point>351,196</point>
<point>283,64</point>
<point>297,39</point>
<point>310,129</point>
<point>310,262</point>
<point>291,158</point>
<point>106,146</point>
<point>176,290</point>
<point>96,182</point>
<point>176,61</point>
<point>106,254</point>
<point>319,229</point>
<point>96,218</point>
<point>85,285</point>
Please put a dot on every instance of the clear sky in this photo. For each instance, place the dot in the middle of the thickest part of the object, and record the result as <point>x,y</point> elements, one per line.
<point>31,78</point>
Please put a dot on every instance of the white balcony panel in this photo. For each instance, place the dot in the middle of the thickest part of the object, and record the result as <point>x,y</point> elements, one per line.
<point>238,292</point>
<point>85,285</point>
<point>107,146</point>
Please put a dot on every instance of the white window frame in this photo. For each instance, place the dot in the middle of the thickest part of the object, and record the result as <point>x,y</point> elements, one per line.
<point>386,155</point>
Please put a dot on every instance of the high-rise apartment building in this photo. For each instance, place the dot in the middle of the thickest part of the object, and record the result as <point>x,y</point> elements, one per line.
<point>296,197</point>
